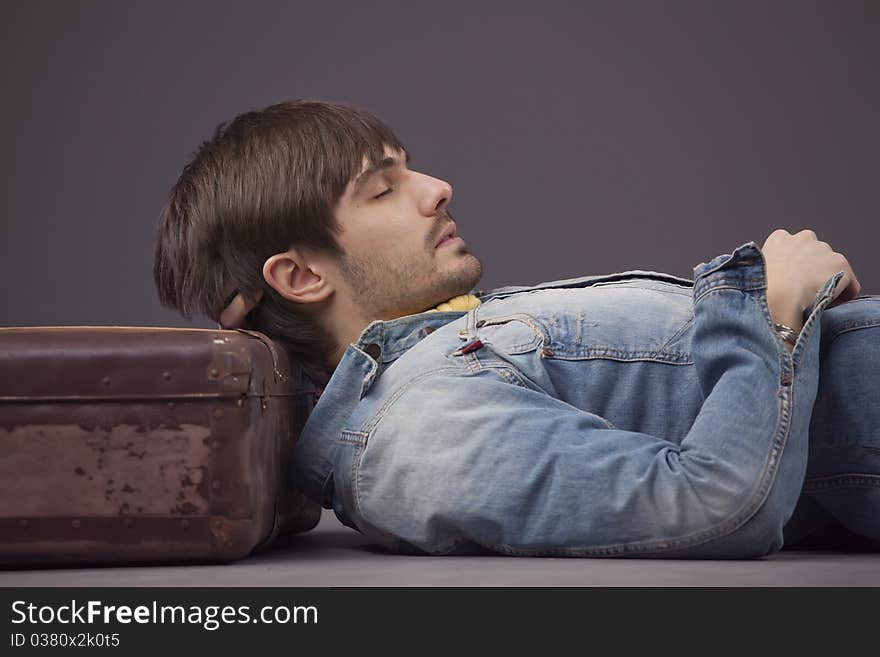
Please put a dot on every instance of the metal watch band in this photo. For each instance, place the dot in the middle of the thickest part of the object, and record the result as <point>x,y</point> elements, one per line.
<point>786,333</point>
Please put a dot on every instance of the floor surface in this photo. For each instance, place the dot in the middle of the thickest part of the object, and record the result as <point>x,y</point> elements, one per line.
<point>332,555</point>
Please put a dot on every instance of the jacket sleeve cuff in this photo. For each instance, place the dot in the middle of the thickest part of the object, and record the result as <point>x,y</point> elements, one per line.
<point>743,269</point>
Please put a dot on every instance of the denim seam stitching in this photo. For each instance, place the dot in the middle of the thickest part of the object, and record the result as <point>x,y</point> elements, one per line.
<point>377,416</point>
<point>352,437</point>
<point>681,331</point>
<point>709,289</point>
<point>841,481</point>
<point>746,254</point>
<point>668,358</point>
<point>516,377</point>
<point>855,326</point>
<point>472,362</point>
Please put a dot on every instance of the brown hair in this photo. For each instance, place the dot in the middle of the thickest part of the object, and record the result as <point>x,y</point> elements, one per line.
<point>268,181</point>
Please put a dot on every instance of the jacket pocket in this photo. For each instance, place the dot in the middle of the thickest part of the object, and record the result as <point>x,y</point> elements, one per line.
<point>518,333</point>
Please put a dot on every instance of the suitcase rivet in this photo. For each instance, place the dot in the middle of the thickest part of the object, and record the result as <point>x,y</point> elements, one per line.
<point>166,376</point>
<point>215,444</point>
<point>215,484</point>
<point>184,524</point>
<point>76,524</point>
<point>170,404</point>
<point>106,381</point>
<point>213,372</point>
<point>240,402</point>
<point>218,412</point>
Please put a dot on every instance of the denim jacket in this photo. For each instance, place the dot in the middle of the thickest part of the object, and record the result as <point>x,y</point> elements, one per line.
<point>629,414</point>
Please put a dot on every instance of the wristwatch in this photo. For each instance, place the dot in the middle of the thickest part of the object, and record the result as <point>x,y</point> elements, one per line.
<point>786,333</point>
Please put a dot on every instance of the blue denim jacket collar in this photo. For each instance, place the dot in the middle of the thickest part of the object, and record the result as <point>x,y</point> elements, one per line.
<point>391,338</point>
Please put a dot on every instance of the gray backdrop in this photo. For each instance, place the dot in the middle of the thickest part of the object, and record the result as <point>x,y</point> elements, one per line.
<point>580,137</point>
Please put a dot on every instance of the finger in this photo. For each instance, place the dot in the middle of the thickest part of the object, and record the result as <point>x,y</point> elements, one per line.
<point>851,292</point>
<point>808,233</point>
<point>234,315</point>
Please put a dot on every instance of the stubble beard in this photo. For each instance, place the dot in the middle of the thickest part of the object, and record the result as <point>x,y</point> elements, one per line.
<point>386,289</point>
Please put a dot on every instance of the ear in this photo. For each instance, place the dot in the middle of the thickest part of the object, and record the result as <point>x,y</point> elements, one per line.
<point>297,276</point>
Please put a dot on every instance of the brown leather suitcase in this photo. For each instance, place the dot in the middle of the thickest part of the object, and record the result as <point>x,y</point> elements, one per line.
<point>144,444</point>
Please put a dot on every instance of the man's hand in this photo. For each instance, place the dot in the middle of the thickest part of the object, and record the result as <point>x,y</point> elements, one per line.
<point>797,267</point>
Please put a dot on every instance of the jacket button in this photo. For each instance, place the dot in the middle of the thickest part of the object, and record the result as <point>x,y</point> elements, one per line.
<point>373,351</point>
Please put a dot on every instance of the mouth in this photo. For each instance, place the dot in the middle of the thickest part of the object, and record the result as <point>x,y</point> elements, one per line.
<point>447,235</point>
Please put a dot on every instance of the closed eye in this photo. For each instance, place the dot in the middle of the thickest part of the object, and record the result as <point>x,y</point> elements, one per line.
<point>387,191</point>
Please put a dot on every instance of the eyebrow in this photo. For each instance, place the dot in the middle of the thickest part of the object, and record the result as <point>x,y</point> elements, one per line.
<point>383,164</point>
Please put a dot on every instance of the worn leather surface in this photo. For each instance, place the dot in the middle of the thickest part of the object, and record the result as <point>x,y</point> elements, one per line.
<point>145,444</point>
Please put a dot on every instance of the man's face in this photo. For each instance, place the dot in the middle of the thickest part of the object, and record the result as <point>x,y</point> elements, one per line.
<point>399,258</point>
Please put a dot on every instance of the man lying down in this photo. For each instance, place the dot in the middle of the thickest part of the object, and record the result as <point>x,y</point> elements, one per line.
<point>628,414</point>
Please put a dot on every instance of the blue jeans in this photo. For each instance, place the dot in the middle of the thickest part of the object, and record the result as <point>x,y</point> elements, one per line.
<point>842,484</point>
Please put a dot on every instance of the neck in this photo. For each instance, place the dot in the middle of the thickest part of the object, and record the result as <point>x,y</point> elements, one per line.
<point>345,323</point>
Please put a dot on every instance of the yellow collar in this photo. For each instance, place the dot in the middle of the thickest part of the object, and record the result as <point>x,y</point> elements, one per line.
<point>461,302</point>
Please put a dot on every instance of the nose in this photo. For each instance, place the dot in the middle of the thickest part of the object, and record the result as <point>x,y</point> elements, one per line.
<point>436,195</point>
